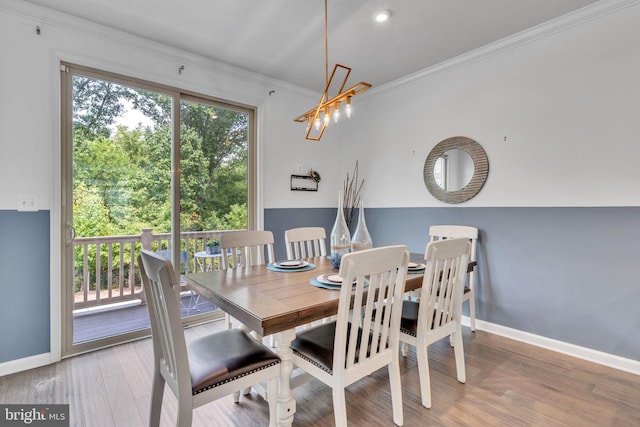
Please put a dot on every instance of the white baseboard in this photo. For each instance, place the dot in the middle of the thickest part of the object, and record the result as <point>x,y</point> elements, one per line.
<point>595,356</point>
<point>584,353</point>
<point>26,363</point>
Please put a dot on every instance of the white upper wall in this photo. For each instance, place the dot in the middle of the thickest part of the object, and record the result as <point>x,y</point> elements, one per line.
<point>568,105</point>
<point>30,107</point>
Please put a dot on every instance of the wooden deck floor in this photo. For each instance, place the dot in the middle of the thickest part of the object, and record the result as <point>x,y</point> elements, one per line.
<point>91,325</point>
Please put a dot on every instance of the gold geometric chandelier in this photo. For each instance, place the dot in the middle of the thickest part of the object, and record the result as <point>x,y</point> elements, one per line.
<point>334,98</point>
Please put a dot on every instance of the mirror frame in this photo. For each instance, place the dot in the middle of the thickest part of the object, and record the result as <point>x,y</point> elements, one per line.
<point>480,169</point>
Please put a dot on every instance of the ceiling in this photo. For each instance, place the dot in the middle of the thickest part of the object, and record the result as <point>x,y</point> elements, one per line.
<point>284,39</point>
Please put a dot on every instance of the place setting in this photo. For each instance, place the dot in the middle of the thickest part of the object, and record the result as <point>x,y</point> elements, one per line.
<point>289,266</point>
<point>415,267</point>
<point>329,281</point>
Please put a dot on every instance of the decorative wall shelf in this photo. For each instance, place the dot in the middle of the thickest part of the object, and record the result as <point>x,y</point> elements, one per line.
<point>303,183</point>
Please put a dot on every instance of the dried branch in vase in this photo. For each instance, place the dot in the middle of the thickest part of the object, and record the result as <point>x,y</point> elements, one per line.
<point>351,195</point>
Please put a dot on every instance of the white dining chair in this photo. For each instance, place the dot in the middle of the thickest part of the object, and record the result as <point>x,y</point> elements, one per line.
<point>439,232</point>
<point>305,242</point>
<point>342,352</point>
<point>245,248</point>
<point>438,312</point>
<point>206,368</point>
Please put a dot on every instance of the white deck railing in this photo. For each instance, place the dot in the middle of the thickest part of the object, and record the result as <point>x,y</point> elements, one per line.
<point>115,277</point>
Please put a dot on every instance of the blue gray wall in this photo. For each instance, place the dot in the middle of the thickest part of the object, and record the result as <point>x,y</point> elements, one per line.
<point>564,273</point>
<point>568,274</point>
<point>24,284</point>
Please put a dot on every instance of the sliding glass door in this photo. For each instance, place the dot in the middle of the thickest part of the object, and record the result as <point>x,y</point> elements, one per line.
<point>144,166</point>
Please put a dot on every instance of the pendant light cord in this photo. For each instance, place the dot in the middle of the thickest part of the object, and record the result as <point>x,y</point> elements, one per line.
<point>326,45</point>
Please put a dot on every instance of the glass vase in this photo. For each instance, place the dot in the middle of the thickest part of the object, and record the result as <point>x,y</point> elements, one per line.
<point>361,238</point>
<point>340,236</point>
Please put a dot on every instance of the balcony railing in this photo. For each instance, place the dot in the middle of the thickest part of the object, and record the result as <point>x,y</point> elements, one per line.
<point>105,270</point>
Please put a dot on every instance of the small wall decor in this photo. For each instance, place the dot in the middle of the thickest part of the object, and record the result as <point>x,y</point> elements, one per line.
<point>303,183</point>
<point>314,175</point>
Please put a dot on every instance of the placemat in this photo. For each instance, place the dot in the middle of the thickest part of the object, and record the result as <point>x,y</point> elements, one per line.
<point>317,284</point>
<point>314,282</point>
<point>308,267</point>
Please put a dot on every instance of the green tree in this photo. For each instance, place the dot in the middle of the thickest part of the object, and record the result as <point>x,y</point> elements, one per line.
<point>90,215</point>
<point>130,169</point>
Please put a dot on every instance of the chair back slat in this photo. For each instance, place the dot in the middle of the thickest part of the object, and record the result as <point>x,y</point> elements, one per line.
<point>246,248</point>
<point>443,283</point>
<point>442,232</point>
<point>374,303</point>
<point>305,242</point>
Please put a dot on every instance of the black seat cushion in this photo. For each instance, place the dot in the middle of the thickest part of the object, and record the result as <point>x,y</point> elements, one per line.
<point>409,319</point>
<point>221,357</point>
<point>317,345</point>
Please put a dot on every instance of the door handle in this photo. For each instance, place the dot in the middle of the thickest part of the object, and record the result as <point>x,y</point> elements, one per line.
<point>71,233</point>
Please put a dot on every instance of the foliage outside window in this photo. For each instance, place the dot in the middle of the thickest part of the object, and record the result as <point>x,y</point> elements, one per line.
<point>122,172</point>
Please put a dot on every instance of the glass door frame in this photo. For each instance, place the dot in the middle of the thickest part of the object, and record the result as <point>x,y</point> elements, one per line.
<point>68,70</point>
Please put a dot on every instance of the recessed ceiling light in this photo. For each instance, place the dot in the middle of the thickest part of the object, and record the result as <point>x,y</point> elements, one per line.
<point>381,16</point>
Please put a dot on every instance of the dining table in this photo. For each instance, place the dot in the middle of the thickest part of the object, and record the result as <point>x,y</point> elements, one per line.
<point>274,301</point>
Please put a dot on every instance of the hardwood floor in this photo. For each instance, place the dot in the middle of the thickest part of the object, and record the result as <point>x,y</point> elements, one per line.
<point>508,384</point>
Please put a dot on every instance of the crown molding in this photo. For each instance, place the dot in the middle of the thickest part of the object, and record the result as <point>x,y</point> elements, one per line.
<point>70,23</point>
<point>44,16</point>
<point>515,41</point>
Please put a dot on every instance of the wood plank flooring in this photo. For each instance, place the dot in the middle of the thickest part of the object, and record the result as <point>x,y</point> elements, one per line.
<point>508,384</point>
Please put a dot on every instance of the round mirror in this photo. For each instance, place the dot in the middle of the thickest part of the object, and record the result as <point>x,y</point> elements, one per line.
<point>453,170</point>
<point>456,169</point>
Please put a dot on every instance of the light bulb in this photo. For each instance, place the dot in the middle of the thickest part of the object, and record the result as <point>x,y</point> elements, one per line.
<point>327,116</point>
<point>336,115</point>
<point>382,16</point>
<point>347,108</point>
<point>316,124</point>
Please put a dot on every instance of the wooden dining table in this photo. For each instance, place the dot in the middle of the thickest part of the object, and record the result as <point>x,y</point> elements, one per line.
<point>275,303</point>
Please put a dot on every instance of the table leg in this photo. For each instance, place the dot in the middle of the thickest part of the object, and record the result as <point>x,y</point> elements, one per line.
<point>286,405</point>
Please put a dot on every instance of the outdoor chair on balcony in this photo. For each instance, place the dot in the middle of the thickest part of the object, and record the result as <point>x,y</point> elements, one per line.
<point>193,297</point>
<point>203,369</point>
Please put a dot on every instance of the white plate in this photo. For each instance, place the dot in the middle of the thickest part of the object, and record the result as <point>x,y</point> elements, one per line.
<point>324,279</point>
<point>291,264</point>
<point>416,266</point>
<point>330,279</point>
<point>334,278</point>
